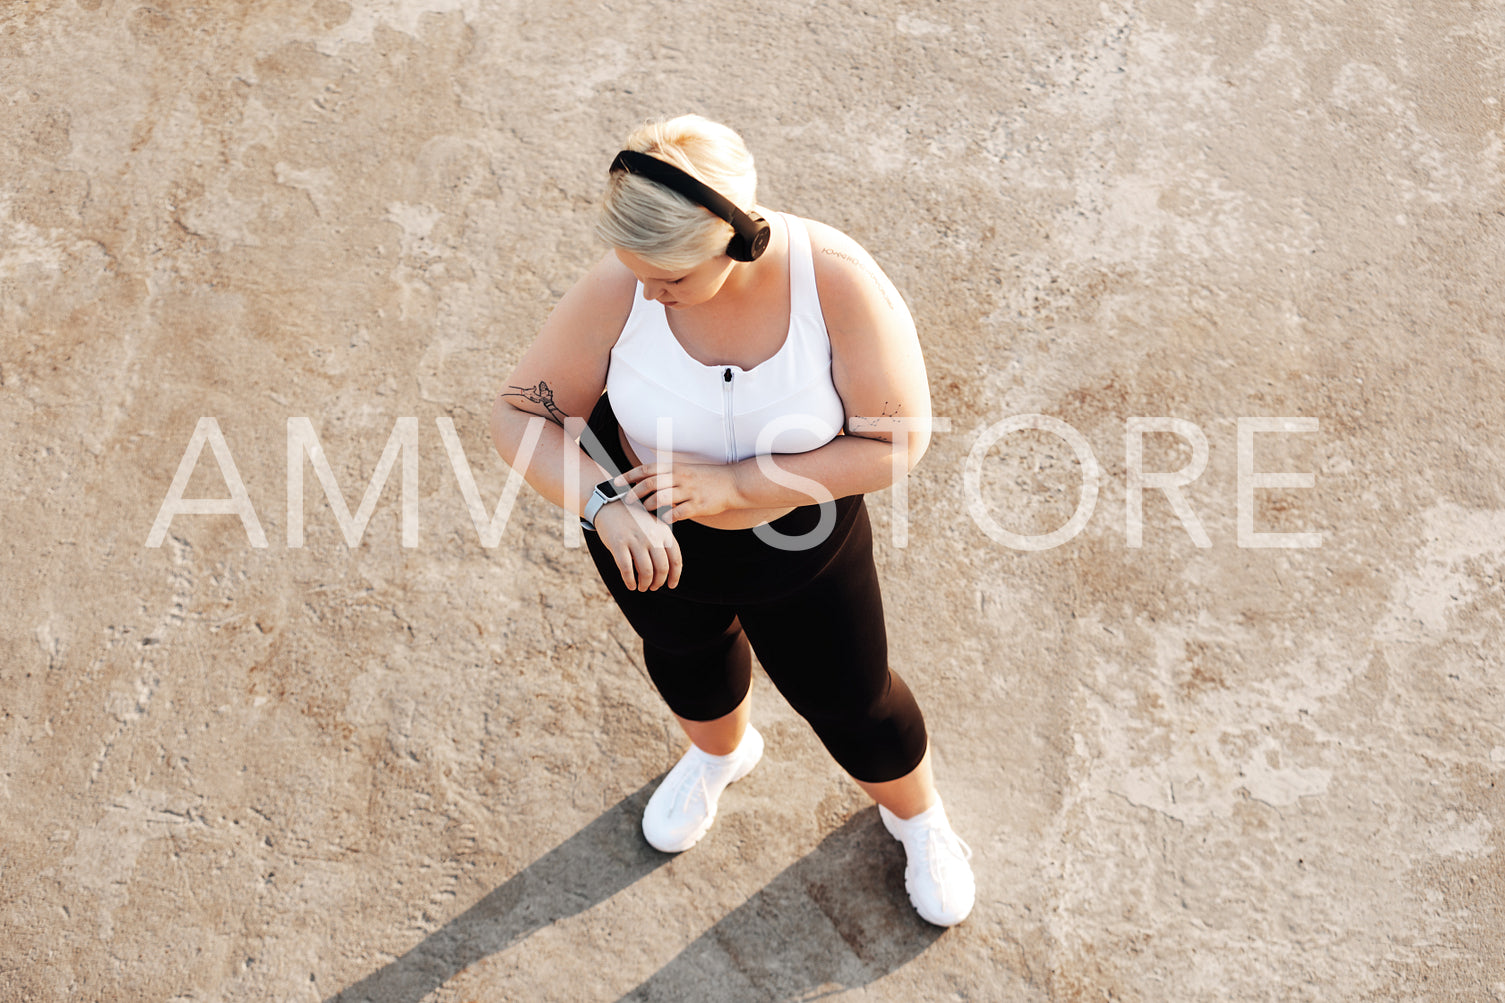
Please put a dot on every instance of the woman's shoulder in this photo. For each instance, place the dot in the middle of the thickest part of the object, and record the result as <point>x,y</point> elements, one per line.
<point>599,303</point>
<point>608,284</point>
<point>849,281</point>
<point>825,238</point>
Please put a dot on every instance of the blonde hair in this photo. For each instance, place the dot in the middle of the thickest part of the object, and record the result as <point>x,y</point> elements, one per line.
<point>661,226</point>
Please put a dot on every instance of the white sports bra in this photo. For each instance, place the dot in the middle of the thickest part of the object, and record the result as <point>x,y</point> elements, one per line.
<point>665,400</point>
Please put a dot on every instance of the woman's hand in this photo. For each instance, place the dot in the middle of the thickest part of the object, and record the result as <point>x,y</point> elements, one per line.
<point>644,547</point>
<point>678,491</point>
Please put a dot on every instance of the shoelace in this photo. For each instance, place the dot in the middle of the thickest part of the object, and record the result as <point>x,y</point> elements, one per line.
<point>692,785</point>
<point>937,843</point>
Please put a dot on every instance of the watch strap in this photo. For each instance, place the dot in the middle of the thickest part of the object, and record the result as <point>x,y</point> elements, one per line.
<point>605,494</point>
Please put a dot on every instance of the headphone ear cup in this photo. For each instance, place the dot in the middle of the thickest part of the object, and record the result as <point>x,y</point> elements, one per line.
<point>740,248</point>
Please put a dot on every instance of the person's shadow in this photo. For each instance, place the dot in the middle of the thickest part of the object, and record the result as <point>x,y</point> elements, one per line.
<point>836,916</point>
<point>836,919</point>
<point>586,869</point>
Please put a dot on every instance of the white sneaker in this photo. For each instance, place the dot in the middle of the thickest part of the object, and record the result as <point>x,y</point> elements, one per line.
<point>937,875</point>
<point>684,806</point>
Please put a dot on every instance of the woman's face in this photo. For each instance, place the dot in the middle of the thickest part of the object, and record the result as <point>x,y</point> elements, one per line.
<point>678,288</point>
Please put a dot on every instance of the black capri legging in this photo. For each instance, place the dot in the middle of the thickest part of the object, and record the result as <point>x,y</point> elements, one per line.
<point>814,617</point>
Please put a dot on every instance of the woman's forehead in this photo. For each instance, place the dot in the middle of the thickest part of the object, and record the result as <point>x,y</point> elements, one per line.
<point>644,270</point>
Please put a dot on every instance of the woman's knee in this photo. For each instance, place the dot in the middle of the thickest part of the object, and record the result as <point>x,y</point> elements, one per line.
<point>702,683</point>
<point>883,744</point>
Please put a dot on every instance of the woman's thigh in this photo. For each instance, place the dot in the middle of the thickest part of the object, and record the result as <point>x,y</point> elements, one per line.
<point>825,645</point>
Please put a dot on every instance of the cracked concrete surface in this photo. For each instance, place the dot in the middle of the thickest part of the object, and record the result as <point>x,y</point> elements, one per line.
<point>371,771</point>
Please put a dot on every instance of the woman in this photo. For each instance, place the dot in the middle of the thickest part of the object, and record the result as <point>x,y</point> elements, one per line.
<point>754,373</point>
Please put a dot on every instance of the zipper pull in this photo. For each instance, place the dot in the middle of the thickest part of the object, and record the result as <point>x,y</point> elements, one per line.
<point>727,376</point>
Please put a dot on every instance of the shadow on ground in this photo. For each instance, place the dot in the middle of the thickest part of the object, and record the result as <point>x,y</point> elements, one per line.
<point>836,918</point>
<point>583,871</point>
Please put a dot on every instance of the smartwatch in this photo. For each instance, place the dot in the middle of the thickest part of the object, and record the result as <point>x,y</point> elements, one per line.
<point>606,492</point>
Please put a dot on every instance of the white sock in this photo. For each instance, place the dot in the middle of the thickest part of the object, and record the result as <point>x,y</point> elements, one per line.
<point>935,815</point>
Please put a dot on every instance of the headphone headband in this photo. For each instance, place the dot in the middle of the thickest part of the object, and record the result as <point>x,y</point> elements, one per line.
<point>752,231</point>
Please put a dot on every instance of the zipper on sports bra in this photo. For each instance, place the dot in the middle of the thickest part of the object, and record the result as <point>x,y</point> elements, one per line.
<point>726,410</point>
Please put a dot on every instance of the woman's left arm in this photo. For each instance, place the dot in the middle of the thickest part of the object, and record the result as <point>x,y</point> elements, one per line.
<point>878,372</point>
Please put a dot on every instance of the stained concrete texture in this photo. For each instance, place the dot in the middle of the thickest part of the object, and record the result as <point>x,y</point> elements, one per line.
<point>1201,768</point>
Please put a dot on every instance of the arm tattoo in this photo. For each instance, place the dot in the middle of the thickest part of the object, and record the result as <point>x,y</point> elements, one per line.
<point>542,395</point>
<point>859,424</point>
<point>865,270</point>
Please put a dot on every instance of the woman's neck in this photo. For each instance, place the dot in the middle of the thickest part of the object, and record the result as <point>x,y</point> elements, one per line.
<point>750,280</point>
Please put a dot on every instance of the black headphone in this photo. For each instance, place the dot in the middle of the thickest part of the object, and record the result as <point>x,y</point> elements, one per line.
<point>751,238</point>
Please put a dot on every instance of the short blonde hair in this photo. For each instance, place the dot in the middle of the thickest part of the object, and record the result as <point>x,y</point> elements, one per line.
<point>661,226</point>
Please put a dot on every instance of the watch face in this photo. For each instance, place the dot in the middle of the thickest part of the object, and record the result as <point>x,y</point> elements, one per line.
<point>609,490</point>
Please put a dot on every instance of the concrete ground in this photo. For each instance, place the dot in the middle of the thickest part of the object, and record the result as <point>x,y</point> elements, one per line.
<point>1201,768</point>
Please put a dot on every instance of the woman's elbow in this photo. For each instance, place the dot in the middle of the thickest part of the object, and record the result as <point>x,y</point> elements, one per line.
<point>915,446</point>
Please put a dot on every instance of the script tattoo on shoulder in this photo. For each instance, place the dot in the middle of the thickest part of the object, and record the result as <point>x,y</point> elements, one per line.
<point>882,290</point>
<point>542,395</point>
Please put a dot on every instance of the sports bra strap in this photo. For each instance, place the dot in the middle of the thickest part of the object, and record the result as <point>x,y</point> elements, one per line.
<point>804,298</point>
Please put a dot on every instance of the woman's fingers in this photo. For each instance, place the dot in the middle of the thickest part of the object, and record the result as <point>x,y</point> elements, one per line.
<point>642,556</point>
<point>650,484</point>
<point>661,565</point>
<point>637,474</point>
<point>676,563</point>
<point>623,557</point>
<point>650,564</point>
<point>647,572</point>
<point>643,548</point>
<point>643,545</point>
<point>660,502</point>
<point>686,491</point>
<point>659,495</point>
<point>660,556</point>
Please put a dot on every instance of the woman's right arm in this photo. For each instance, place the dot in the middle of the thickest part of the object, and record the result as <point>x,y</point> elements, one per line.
<point>561,376</point>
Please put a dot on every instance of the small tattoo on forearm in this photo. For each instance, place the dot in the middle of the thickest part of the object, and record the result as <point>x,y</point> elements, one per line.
<point>865,270</point>
<point>542,395</point>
